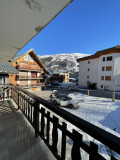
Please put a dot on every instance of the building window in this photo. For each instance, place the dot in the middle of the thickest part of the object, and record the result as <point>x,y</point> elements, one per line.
<point>102,77</point>
<point>88,69</point>
<point>103,68</point>
<point>88,62</point>
<point>108,68</point>
<point>101,86</point>
<point>87,76</point>
<point>108,78</point>
<point>103,59</point>
<point>109,58</point>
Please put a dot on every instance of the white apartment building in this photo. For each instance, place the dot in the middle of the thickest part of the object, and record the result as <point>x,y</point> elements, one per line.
<point>99,70</point>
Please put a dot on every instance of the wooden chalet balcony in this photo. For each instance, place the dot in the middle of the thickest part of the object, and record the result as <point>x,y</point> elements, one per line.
<point>44,120</point>
<point>29,68</point>
<point>31,85</point>
<point>29,77</point>
<point>41,77</point>
<point>37,84</point>
<point>22,85</point>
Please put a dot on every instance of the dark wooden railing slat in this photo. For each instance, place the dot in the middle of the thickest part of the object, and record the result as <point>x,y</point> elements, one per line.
<point>28,110</point>
<point>48,127</point>
<point>77,140</point>
<point>55,134</point>
<point>94,155</point>
<point>42,121</point>
<point>63,146</point>
<point>36,119</point>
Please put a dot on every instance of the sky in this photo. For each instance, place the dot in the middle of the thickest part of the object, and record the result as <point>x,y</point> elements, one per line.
<point>85,26</point>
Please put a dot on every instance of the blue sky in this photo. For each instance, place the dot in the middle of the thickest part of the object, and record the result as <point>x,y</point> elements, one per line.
<point>85,26</point>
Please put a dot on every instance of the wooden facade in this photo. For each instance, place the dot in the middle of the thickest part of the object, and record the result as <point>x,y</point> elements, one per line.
<point>31,72</point>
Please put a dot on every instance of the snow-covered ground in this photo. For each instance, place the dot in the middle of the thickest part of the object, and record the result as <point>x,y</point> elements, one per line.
<point>101,112</point>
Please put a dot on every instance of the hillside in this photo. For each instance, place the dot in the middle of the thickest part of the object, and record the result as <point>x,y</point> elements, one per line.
<point>65,62</point>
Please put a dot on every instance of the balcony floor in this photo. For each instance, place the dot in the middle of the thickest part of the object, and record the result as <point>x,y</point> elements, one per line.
<point>17,140</point>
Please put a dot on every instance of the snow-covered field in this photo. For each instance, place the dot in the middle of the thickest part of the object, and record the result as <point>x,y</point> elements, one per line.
<point>101,112</point>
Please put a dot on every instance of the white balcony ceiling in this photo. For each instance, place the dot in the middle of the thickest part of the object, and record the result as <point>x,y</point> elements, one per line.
<point>21,20</point>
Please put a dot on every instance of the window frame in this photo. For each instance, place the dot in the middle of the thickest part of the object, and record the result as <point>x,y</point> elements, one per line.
<point>103,59</point>
<point>110,58</point>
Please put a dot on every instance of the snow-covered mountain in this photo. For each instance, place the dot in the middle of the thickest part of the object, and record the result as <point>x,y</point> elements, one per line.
<point>65,62</point>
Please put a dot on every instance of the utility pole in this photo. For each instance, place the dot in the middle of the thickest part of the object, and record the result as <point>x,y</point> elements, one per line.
<point>113,98</point>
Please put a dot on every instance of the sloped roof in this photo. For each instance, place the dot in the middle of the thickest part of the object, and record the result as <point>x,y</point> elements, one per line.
<point>112,50</point>
<point>32,53</point>
<point>8,68</point>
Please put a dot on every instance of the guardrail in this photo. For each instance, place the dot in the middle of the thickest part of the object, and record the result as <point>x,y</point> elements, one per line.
<point>54,134</point>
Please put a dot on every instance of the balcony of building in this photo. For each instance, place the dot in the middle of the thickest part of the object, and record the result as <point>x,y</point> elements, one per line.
<point>29,68</point>
<point>22,77</point>
<point>17,140</point>
<point>31,85</point>
<point>32,128</point>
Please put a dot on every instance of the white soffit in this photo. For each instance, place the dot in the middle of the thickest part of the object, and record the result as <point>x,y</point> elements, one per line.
<point>21,20</point>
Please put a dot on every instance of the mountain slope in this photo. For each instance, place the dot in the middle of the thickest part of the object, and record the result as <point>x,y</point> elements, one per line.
<point>66,62</point>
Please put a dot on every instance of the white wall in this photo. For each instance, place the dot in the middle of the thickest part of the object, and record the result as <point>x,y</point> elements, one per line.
<point>92,73</point>
<point>105,63</point>
<point>96,72</point>
<point>117,66</point>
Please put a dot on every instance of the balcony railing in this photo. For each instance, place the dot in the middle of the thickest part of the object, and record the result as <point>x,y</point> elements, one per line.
<point>29,77</point>
<point>41,77</point>
<point>48,127</point>
<point>29,68</point>
<point>23,76</point>
<point>30,85</point>
<point>22,85</point>
<point>37,84</point>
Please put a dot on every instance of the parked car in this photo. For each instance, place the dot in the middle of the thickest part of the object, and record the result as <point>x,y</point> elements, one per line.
<point>64,100</point>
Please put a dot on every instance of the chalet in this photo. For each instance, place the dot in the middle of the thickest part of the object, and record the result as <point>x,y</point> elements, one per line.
<point>31,72</point>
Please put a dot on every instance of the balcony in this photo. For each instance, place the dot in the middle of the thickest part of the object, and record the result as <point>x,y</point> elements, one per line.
<point>28,77</point>
<point>31,85</point>
<point>17,140</point>
<point>51,124</point>
<point>37,84</point>
<point>29,68</point>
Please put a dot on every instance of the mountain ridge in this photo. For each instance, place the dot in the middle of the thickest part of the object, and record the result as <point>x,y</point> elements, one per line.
<point>62,61</point>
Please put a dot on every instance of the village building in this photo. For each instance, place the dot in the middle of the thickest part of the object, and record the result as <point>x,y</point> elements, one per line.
<point>66,77</point>
<point>5,70</point>
<point>57,77</point>
<point>31,72</point>
<point>101,70</point>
